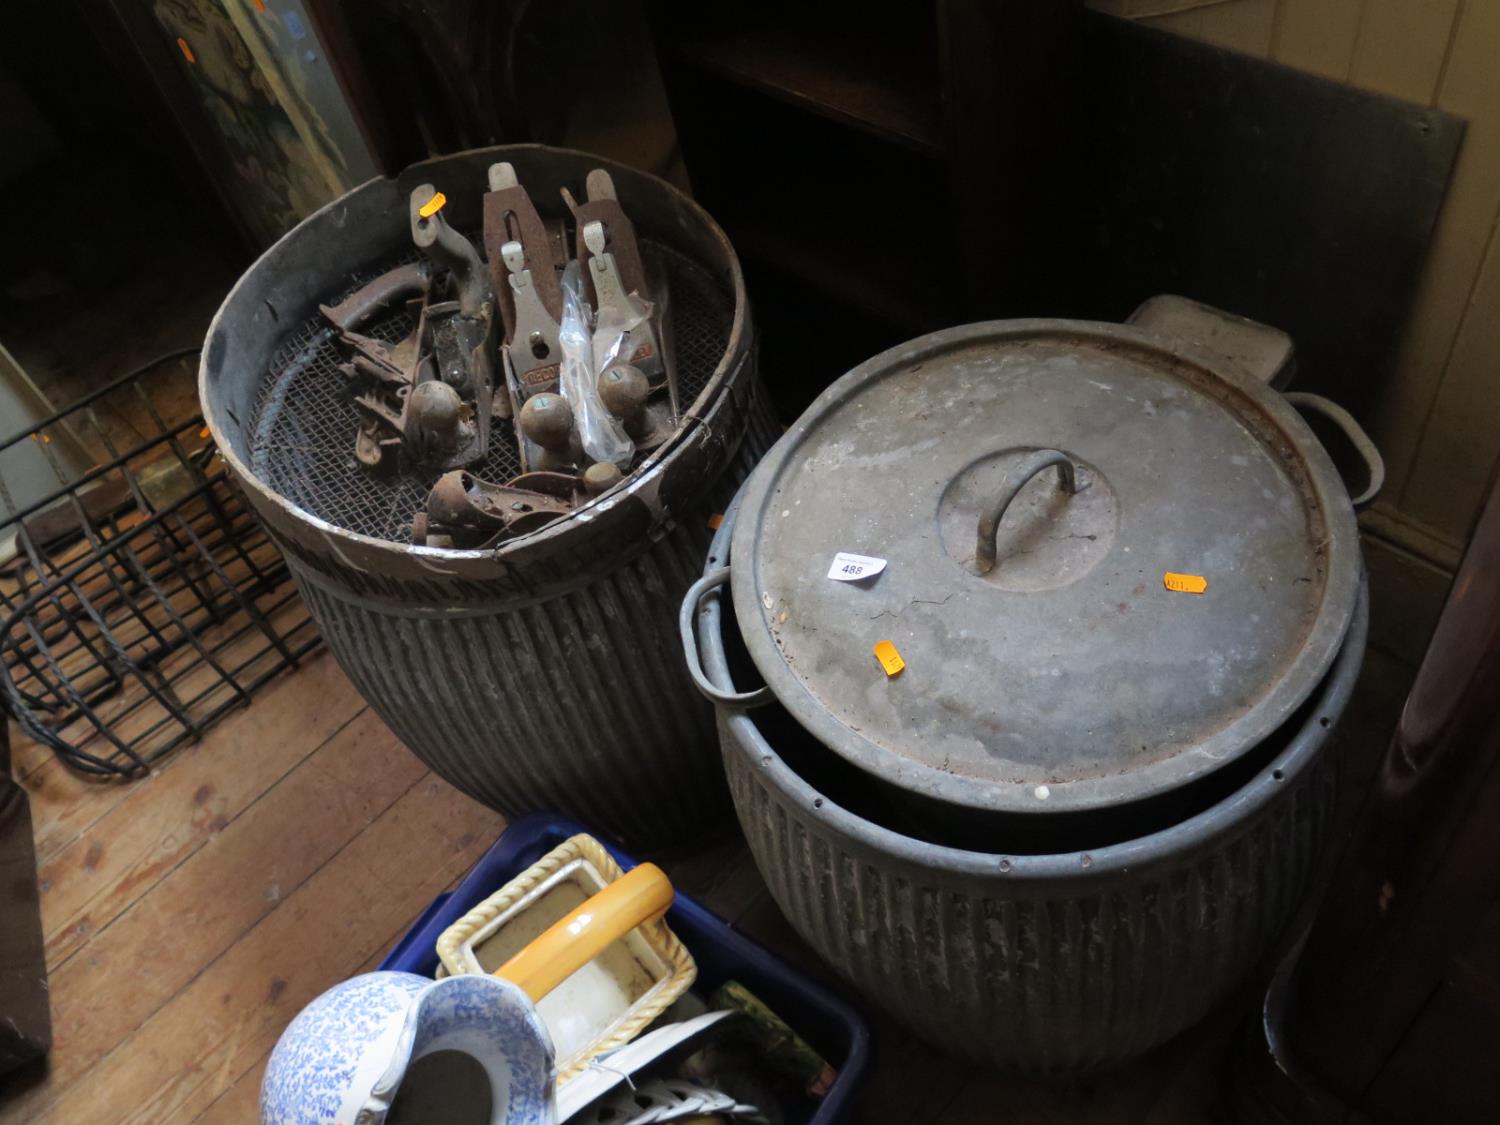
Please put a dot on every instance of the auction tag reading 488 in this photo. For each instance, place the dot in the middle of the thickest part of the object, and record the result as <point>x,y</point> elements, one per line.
<point>851,568</point>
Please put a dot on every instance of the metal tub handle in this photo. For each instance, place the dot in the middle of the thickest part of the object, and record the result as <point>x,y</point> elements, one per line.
<point>1015,480</point>
<point>1374,463</point>
<point>711,581</point>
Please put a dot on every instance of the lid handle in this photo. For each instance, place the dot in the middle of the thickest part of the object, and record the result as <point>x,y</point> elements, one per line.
<point>1015,480</point>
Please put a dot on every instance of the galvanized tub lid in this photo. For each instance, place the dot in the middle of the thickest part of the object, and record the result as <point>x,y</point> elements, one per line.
<point>1082,668</point>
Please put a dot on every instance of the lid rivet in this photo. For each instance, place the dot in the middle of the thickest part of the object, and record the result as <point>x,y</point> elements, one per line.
<point>1042,792</point>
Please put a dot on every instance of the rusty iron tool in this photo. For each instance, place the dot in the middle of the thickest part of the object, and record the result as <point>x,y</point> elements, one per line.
<point>626,393</point>
<point>549,441</point>
<point>388,373</point>
<point>603,206</point>
<point>510,216</point>
<point>378,435</point>
<point>437,425</point>
<point>450,250</point>
<point>448,431</point>
<point>393,365</point>
<point>475,513</point>
<point>615,277</point>
<point>373,444</point>
<point>535,351</point>
<point>462,336</point>
<point>600,477</point>
<point>401,283</point>
<point>525,276</point>
<point>619,305</point>
<point>561,486</point>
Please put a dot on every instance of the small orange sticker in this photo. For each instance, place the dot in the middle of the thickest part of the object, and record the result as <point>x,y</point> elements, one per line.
<point>260,5</point>
<point>203,432</point>
<point>715,520</point>
<point>1184,583</point>
<point>889,658</point>
<point>432,206</point>
<point>187,52</point>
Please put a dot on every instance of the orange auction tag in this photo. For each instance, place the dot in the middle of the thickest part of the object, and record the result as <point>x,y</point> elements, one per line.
<point>889,658</point>
<point>1184,583</point>
<point>433,205</point>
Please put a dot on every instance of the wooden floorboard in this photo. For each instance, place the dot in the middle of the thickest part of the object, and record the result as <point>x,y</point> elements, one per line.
<point>65,805</point>
<point>190,914</point>
<point>164,820</point>
<point>240,1103</point>
<point>219,1027</point>
<point>210,900</point>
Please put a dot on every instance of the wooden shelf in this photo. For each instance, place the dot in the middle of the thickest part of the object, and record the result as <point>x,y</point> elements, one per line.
<point>853,83</point>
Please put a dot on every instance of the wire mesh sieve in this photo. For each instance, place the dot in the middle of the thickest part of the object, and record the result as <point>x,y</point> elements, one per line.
<point>303,427</point>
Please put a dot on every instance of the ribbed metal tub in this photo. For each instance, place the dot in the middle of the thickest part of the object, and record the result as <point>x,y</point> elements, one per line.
<point>1044,963</point>
<point>544,673</point>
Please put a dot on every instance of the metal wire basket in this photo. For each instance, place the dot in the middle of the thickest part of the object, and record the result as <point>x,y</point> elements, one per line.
<point>140,600</point>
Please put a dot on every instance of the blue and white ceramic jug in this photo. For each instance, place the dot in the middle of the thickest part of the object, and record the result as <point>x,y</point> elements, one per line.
<point>399,1049</point>
<point>393,1048</point>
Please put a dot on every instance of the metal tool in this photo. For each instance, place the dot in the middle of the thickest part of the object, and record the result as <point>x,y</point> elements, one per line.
<point>379,434</point>
<point>444,425</point>
<point>549,441</point>
<point>603,206</point>
<point>401,283</point>
<point>447,248</point>
<point>461,336</point>
<point>524,271</point>
<point>393,365</point>
<point>601,477</point>
<point>626,393</point>
<point>464,511</point>
<point>615,279</point>
<point>534,353</point>
<point>438,424</point>
<point>616,304</point>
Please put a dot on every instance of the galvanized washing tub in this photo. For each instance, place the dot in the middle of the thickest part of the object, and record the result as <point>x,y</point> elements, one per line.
<point>543,673</point>
<point>1056,620</point>
<point>1047,963</point>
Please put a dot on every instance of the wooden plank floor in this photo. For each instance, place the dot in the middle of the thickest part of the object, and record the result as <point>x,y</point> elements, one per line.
<point>190,915</point>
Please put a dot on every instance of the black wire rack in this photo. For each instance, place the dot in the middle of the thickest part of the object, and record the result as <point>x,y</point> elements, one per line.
<point>141,600</point>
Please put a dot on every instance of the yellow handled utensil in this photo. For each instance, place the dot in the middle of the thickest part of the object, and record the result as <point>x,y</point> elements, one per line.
<point>641,895</point>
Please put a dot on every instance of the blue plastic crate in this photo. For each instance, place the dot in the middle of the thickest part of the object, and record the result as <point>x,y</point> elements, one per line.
<point>837,1031</point>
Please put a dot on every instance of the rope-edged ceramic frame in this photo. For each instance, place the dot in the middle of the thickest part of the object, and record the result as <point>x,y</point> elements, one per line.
<point>677,970</point>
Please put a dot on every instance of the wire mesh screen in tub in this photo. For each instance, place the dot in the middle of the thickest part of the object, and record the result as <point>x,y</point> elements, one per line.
<point>302,431</point>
